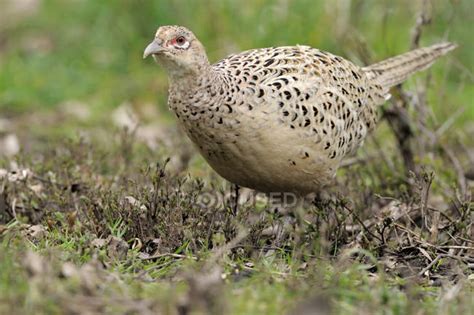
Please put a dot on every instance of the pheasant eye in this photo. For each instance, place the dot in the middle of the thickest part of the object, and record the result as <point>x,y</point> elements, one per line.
<point>180,42</point>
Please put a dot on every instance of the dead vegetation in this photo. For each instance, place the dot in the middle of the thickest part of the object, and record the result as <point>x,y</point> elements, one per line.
<point>410,225</point>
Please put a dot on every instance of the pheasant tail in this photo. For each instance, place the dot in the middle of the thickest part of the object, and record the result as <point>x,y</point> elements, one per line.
<point>395,70</point>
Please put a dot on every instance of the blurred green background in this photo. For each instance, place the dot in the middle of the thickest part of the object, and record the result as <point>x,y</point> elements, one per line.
<point>54,51</point>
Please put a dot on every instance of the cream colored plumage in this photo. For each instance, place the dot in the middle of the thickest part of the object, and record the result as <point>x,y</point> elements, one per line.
<point>277,119</point>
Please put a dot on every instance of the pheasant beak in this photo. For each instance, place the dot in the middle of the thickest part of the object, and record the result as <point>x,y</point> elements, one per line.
<point>153,48</point>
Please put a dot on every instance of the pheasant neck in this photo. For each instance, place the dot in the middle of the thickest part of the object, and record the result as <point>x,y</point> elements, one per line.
<point>198,85</point>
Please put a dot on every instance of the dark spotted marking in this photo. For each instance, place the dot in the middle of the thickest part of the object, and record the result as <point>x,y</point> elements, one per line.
<point>277,85</point>
<point>305,110</point>
<point>355,75</point>
<point>269,62</point>
<point>229,108</point>
<point>315,111</point>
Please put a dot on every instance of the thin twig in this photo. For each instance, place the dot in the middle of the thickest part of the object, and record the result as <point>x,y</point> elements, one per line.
<point>219,252</point>
<point>459,171</point>
<point>172,255</point>
<point>362,224</point>
<point>431,264</point>
<point>427,180</point>
<point>424,18</point>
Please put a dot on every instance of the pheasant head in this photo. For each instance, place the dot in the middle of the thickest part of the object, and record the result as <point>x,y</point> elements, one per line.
<point>177,50</point>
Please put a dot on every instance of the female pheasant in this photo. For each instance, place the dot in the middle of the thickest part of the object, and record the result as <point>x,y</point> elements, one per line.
<point>277,119</point>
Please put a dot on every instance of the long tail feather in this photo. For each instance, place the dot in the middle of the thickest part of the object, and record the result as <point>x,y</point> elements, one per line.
<point>395,70</point>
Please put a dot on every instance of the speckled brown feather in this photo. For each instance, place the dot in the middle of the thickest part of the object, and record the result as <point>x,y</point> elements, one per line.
<point>281,118</point>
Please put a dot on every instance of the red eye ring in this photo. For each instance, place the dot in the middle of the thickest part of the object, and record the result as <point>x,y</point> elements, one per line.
<point>181,40</point>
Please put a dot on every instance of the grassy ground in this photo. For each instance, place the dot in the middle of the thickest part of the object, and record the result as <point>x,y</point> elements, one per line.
<point>105,207</point>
